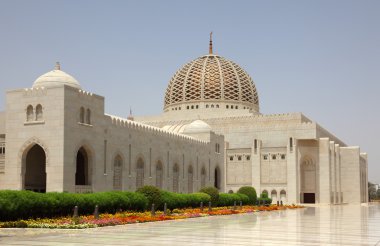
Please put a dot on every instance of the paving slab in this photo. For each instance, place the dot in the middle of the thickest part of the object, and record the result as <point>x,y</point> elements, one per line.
<point>319,225</point>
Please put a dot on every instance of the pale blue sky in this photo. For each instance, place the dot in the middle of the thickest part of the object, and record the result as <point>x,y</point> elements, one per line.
<point>321,58</point>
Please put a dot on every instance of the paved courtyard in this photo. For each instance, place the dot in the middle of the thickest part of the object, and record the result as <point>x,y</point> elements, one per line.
<point>323,225</point>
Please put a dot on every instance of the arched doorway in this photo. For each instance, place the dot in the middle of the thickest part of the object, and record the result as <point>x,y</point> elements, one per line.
<point>308,181</point>
<point>35,169</point>
<point>175,178</point>
<point>203,177</point>
<point>139,173</point>
<point>190,179</point>
<point>217,178</point>
<point>118,173</point>
<point>82,174</point>
<point>159,175</point>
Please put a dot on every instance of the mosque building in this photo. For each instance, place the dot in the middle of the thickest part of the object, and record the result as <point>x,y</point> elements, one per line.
<point>56,137</point>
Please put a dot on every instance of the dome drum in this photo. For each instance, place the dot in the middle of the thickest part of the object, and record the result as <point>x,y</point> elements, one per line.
<point>212,105</point>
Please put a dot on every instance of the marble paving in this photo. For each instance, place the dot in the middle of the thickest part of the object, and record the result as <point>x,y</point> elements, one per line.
<point>320,225</point>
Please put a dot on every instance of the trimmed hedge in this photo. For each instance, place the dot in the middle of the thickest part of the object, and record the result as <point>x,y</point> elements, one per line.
<point>213,192</point>
<point>229,199</point>
<point>263,199</point>
<point>16,205</point>
<point>250,192</point>
<point>153,194</point>
<point>176,200</point>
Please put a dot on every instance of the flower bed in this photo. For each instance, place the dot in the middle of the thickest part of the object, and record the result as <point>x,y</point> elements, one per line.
<point>123,218</point>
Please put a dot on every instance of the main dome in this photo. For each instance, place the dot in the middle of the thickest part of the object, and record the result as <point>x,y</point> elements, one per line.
<point>214,80</point>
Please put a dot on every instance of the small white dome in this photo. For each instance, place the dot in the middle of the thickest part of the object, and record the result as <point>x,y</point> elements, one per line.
<point>197,126</point>
<point>56,77</point>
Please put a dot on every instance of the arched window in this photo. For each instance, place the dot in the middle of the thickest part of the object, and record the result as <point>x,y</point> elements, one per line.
<point>206,105</point>
<point>203,177</point>
<point>217,106</point>
<point>117,173</point>
<point>175,178</point>
<point>190,179</point>
<point>81,115</point>
<point>29,113</point>
<point>39,115</point>
<point>88,117</point>
<point>159,175</point>
<point>139,173</point>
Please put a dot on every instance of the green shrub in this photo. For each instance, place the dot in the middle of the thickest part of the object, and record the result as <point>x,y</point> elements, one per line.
<point>153,194</point>
<point>194,199</point>
<point>229,199</point>
<point>16,205</point>
<point>175,200</point>
<point>138,202</point>
<point>264,199</point>
<point>213,193</point>
<point>250,192</point>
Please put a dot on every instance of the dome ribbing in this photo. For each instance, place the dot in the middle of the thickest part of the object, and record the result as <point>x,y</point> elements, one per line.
<point>211,78</point>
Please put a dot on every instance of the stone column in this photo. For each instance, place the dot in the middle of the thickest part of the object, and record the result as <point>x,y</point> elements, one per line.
<point>256,165</point>
<point>324,172</point>
<point>293,175</point>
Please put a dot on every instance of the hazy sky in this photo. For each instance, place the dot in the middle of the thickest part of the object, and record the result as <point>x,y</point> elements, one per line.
<point>321,58</point>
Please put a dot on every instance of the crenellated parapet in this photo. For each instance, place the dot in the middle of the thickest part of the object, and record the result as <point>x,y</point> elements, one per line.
<point>36,91</point>
<point>133,125</point>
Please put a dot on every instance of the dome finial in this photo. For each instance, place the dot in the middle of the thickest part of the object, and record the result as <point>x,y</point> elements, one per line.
<point>57,66</point>
<point>130,116</point>
<point>210,46</point>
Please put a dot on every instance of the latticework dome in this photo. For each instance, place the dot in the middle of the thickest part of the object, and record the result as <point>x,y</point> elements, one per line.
<point>211,79</point>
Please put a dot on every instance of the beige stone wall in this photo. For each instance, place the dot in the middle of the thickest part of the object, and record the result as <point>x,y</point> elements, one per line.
<point>238,168</point>
<point>21,134</point>
<point>350,169</point>
<point>61,133</point>
<point>265,151</point>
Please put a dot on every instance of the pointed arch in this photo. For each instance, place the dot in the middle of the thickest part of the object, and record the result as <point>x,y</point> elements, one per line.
<point>159,174</point>
<point>34,168</point>
<point>217,178</point>
<point>203,176</point>
<point>88,116</point>
<point>273,196</point>
<point>39,113</point>
<point>190,182</point>
<point>81,115</point>
<point>283,196</point>
<point>82,167</point>
<point>176,177</point>
<point>140,166</point>
<point>29,113</point>
<point>118,172</point>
